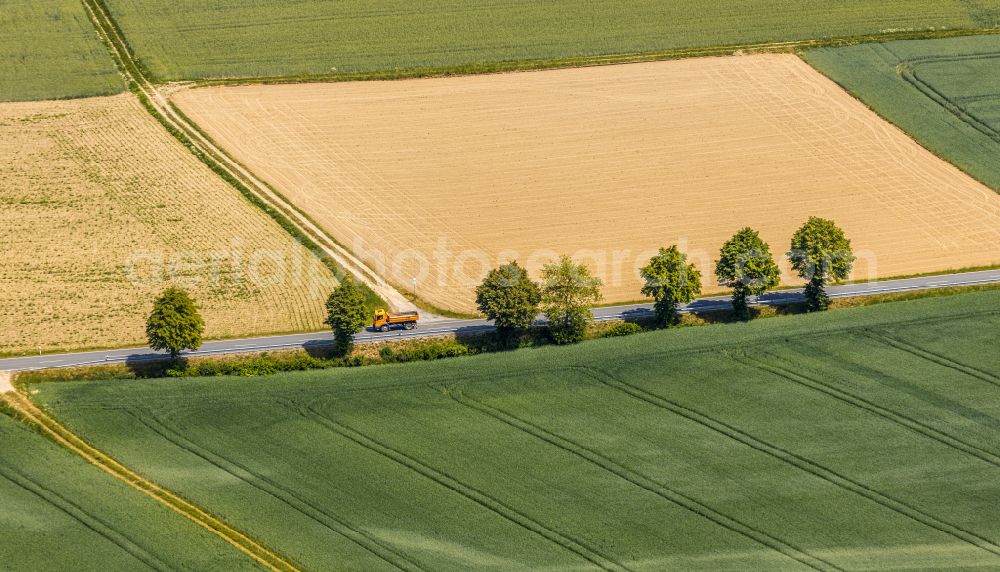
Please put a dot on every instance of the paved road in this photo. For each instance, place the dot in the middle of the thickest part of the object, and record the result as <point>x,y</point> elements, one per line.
<point>447,326</point>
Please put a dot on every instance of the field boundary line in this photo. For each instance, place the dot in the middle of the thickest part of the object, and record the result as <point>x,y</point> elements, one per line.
<point>791,458</point>
<point>933,357</point>
<point>471,493</point>
<point>249,185</point>
<point>89,521</point>
<point>638,479</point>
<point>69,440</point>
<point>277,491</point>
<point>872,408</point>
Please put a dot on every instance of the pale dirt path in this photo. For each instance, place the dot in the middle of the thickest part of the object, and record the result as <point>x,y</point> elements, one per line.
<point>5,382</point>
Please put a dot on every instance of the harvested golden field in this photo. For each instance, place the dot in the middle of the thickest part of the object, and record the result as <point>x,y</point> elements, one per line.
<point>440,179</point>
<point>100,209</point>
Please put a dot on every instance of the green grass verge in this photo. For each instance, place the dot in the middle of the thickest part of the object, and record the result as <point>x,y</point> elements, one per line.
<point>60,513</point>
<point>865,437</point>
<point>945,93</point>
<point>354,40</point>
<point>48,50</point>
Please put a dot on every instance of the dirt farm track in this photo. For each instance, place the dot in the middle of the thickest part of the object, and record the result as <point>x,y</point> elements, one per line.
<point>440,179</point>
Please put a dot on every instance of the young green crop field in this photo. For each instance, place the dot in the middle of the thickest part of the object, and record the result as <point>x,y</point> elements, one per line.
<point>59,513</point>
<point>197,39</point>
<point>945,93</point>
<point>50,50</point>
<point>863,438</point>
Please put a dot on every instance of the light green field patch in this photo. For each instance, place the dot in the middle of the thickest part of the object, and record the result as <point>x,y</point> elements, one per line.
<point>50,50</point>
<point>190,39</point>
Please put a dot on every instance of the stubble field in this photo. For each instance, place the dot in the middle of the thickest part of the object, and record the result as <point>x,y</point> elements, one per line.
<point>862,439</point>
<point>100,209</point>
<point>439,179</point>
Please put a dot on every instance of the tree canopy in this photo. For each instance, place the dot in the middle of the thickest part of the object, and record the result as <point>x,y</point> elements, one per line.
<point>174,324</point>
<point>345,314</point>
<point>820,253</point>
<point>746,265</point>
<point>568,291</point>
<point>670,281</point>
<point>509,297</point>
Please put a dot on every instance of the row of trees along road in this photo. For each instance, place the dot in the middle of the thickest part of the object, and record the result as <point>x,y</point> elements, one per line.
<point>820,253</point>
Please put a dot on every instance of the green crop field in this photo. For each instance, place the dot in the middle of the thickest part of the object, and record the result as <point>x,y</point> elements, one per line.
<point>945,93</point>
<point>863,438</point>
<point>196,39</point>
<point>59,513</point>
<point>50,50</point>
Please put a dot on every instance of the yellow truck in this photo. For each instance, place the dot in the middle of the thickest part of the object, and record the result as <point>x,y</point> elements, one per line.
<point>385,321</point>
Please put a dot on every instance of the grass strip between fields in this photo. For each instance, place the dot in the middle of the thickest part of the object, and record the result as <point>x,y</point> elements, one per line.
<point>28,412</point>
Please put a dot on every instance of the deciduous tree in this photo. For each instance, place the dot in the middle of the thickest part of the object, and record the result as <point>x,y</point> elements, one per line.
<point>174,324</point>
<point>568,291</point>
<point>670,281</point>
<point>820,253</point>
<point>745,264</point>
<point>345,314</point>
<point>510,298</point>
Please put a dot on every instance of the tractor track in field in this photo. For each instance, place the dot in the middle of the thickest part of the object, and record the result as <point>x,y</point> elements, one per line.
<point>333,523</point>
<point>89,521</point>
<point>872,408</point>
<point>32,415</point>
<point>473,494</point>
<point>272,202</point>
<point>913,390</point>
<point>638,479</point>
<point>908,70</point>
<point>933,357</point>
<point>793,459</point>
